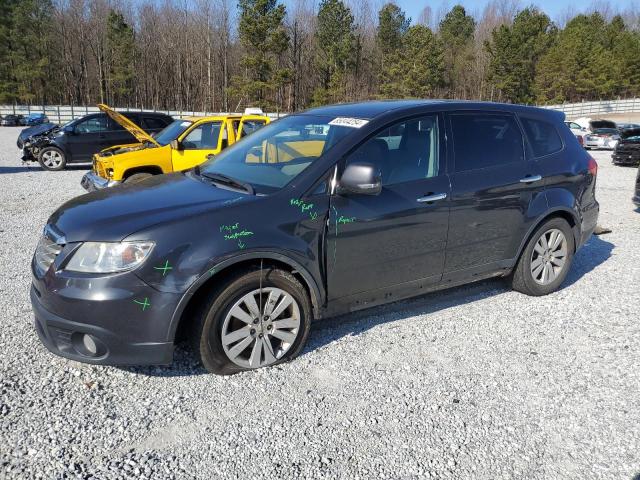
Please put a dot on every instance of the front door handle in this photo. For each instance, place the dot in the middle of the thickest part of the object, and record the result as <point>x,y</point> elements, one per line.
<point>531,179</point>
<point>432,197</point>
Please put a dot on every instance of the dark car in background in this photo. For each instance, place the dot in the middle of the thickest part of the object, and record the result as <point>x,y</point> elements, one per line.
<point>320,213</point>
<point>627,151</point>
<point>35,119</point>
<point>636,196</point>
<point>54,146</point>
<point>12,120</point>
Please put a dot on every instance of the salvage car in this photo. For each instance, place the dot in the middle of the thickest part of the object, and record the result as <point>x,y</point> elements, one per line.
<point>55,146</point>
<point>180,146</point>
<point>12,120</point>
<point>320,213</point>
<point>627,151</point>
<point>602,138</point>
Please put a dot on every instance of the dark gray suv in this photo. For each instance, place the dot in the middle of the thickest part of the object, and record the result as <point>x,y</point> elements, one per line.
<point>324,212</point>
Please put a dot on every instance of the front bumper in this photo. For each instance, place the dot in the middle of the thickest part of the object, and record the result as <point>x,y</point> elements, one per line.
<point>107,320</point>
<point>92,182</point>
<point>625,159</point>
<point>67,339</point>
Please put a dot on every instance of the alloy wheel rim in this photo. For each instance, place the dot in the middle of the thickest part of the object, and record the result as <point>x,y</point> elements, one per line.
<point>260,327</point>
<point>549,256</point>
<point>52,158</point>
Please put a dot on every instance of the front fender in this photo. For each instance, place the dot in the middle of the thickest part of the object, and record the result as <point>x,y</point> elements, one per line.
<point>315,288</point>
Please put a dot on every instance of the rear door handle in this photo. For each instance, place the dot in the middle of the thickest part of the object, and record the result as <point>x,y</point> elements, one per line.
<point>432,198</point>
<point>531,179</point>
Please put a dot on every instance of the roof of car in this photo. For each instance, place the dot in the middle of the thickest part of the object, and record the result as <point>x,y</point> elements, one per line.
<point>372,109</point>
<point>212,117</point>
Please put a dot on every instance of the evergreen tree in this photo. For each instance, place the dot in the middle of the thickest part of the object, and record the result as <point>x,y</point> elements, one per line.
<point>120,54</point>
<point>26,73</point>
<point>423,63</point>
<point>514,52</point>
<point>392,26</point>
<point>456,31</point>
<point>336,50</point>
<point>264,39</point>
<point>579,64</point>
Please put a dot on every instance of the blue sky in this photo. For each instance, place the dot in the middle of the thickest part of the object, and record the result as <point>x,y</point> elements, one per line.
<point>554,8</point>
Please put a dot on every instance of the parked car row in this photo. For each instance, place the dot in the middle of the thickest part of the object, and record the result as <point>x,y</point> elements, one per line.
<point>12,120</point>
<point>130,146</point>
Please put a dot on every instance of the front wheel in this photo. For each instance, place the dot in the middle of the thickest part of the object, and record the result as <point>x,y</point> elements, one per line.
<point>137,178</point>
<point>52,159</point>
<point>546,260</point>
<point>259,319</point>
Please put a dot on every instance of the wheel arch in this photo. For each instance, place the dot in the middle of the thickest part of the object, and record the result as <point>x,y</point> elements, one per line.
<point>152,169</point>
<point>556,212</point>
<point>204,285</point>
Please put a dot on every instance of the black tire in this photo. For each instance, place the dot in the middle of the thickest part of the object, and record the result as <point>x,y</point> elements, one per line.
<point>206,336</point>
<point>137,177</point>
<point>52,159</point>
<point>522,279</point>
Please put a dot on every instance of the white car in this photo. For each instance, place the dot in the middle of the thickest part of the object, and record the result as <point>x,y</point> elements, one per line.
<point>606,138</point>
<point>578,130</point>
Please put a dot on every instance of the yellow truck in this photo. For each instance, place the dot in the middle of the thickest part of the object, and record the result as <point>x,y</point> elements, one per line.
<point>182,145</point>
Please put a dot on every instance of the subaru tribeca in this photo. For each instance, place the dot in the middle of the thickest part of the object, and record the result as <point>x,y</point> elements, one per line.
<point>320,213</point>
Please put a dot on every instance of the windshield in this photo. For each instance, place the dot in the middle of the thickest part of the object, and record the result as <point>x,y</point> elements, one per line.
<point>277,153</point>
<point>171,132</point>
<point>610,131</point>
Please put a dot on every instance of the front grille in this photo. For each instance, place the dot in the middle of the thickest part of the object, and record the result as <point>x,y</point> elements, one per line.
<point>46,252</point>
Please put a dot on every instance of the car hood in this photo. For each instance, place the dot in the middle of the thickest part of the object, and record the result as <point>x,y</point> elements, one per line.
<point>112,214</point>
<point>41,129</point>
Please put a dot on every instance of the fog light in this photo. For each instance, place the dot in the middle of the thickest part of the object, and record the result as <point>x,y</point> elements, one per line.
<point>89,344</point>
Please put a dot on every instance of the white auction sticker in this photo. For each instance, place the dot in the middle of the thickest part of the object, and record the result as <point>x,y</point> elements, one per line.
<point>348,122</point>
<point>185,124</point>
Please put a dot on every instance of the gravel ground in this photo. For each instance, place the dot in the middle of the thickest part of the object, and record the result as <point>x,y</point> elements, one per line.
<point>474,382</point>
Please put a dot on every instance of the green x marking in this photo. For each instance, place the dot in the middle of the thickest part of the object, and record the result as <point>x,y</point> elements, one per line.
<point>144,304</point>
<point>165,268</point>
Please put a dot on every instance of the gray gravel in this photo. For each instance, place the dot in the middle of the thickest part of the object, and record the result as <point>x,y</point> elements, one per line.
<point>474,382</point>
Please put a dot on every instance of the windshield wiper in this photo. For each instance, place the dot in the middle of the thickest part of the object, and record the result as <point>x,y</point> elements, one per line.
<point>226,180</point>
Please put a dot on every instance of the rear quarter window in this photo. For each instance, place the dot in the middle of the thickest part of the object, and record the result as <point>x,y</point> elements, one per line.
<point>484,140</point>
<point>543,137</point>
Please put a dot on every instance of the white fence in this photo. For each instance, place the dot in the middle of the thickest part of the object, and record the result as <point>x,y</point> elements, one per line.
<point>65,113</point>
<point>601,107</point>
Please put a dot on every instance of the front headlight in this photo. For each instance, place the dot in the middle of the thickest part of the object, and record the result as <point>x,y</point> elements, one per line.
<point>102,257</point>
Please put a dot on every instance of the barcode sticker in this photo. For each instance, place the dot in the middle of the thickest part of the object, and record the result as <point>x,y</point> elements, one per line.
<point>348,122</point>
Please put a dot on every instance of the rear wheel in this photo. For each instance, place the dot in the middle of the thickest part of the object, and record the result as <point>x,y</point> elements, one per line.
<point>259,319</point>
<point>137,177</point>
<point>546,260</point>
<point>52,159</point>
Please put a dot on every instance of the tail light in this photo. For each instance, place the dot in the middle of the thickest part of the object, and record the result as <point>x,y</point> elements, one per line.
<point>592,166</point>
<point>580,140</point>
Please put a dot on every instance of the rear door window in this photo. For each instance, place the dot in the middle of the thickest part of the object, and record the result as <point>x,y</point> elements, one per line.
<point>484,140</point>
<point>93,125</point>
<point>153,123</point>
<point>543,137</point>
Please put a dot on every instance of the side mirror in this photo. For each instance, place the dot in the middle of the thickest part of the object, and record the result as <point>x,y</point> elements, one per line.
<point>175,145</point>
<point>69,129</point>
<point>360,179</point>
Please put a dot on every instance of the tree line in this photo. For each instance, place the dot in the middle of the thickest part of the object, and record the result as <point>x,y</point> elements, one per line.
<point>219,55</point>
